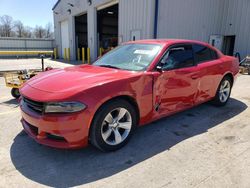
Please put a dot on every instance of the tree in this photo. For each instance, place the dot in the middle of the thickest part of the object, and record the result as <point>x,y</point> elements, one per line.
<point>39,32</point>
<point>6,25</point>
<point>28,32</point>
<point>48,29</point>
<point>1,31</point>
<point>19,28</point>
<point>10,28</point>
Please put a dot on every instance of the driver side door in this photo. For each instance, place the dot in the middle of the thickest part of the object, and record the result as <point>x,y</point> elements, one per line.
<point>175,86</point>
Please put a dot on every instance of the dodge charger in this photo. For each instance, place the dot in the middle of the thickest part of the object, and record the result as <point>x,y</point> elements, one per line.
<point>132,85</point>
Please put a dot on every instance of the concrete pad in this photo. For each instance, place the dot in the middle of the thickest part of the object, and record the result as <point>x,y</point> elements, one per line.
<point>21,64</point>
<point>202,147</point>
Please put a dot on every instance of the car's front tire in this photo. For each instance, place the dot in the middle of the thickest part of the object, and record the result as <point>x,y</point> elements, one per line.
<point>223,92</point>
<point>113,125</point>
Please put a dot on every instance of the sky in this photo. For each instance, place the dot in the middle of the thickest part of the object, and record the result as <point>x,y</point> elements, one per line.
<point>30,12</point>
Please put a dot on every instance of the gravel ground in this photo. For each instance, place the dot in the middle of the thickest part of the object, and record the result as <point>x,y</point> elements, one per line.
<point>202,147</point>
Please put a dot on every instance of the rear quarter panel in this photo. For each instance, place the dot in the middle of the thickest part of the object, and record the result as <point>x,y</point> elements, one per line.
<point>230,65</point>
<point>225,65</point>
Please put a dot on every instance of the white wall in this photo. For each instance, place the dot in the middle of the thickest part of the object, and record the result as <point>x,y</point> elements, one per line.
<point>64,36</point>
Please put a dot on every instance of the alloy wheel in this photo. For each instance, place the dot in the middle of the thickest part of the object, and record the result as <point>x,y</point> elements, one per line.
<point>224,91</point>
<point>116,126</point>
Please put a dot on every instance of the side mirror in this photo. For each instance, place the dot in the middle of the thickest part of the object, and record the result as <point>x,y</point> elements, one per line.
<point>159,67</point>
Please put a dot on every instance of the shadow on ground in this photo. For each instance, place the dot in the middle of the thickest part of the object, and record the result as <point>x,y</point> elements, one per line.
<point>67,168</point>
<point>10,103</point>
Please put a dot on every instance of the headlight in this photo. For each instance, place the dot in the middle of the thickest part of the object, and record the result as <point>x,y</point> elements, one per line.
<point>64,107</point>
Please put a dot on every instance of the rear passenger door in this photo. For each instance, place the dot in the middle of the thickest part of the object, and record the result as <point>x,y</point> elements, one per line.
<point>208,64</point>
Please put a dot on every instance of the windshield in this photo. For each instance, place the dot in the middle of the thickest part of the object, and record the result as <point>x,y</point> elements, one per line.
<point>134,57</point>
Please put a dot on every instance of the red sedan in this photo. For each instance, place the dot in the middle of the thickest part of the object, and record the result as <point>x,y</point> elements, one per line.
<point>134,84</point>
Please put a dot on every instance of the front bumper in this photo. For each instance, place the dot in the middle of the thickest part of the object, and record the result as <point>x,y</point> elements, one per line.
<point>59,131</point>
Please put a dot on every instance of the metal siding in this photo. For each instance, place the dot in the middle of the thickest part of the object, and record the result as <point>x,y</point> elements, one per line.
<point>25,44</point>
<point>192,19</point>
<point>80,7</point>
<point>136,15</point>
<point>198,19</point>
<point>133,15</point>
<point>237,13</point>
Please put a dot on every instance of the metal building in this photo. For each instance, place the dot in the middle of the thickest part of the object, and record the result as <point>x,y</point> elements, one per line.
<point>107,23</point>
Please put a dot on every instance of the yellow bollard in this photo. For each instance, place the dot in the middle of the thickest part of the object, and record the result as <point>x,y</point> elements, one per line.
<point>88,56</point>
<point>68,54</point>
<point>83,55</point>
<point>100,52</point>
<point>78,54</point>
<point>55,53</point>
<point>65,54</point>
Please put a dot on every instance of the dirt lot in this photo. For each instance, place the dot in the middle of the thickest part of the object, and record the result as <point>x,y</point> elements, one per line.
<point>202,147</point>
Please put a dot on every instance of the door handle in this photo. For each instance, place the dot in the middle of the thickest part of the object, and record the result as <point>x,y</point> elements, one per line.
<point>195,76</point>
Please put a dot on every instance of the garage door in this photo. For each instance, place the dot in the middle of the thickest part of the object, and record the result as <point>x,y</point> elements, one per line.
<point>64,35</point>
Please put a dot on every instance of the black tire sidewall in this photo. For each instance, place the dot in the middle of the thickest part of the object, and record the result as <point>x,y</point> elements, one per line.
<point>15,93</point>
<point>95,133</point>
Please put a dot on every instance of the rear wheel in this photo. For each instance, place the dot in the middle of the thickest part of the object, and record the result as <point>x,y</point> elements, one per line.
<point>113,125</point>
<point>223,92</point>
<point>15,93</point>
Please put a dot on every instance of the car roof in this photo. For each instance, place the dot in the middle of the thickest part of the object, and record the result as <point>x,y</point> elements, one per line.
<point>165,41</point>
<point>169,42</point>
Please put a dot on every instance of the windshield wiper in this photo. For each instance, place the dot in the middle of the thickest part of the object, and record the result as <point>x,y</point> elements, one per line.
<point>109,66</point>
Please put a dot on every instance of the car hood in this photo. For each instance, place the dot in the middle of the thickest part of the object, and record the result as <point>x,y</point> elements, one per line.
<point>77,78</point>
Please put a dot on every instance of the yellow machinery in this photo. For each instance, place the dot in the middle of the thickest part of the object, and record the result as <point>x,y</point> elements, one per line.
<point>245,66</point>
<point>15,80</point>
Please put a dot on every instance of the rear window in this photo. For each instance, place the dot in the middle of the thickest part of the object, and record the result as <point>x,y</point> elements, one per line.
<point>203,53</point>
<point>214,54</point>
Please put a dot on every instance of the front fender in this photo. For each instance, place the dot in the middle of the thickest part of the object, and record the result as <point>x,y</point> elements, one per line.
<point>138,88</point>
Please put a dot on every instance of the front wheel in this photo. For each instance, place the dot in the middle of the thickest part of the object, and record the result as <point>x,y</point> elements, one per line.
<point>15,93</point>
<point>223,92</point>
<point>113,125</point>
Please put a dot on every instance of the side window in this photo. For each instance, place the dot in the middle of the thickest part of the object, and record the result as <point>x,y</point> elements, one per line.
<point>214,54</point>
<point>201,53</point>
<point>180,56</point>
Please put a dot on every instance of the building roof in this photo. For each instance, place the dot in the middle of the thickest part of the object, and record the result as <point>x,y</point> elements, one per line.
<point>58,1</point>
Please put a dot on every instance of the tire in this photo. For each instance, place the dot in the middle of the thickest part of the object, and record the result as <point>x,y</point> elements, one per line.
<point>223,92</point>
<point>15,93</point>
<point>115,118</point>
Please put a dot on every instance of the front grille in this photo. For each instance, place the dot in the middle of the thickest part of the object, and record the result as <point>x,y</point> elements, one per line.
<point>34,105</point>
<point>55,137</point>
